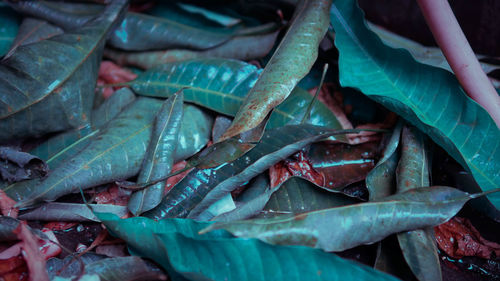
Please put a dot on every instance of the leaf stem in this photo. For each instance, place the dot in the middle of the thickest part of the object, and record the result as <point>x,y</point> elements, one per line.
<point>459,54</point>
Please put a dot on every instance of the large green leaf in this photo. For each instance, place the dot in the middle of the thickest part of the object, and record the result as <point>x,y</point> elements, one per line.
<point>115,153</point>
<point>428,97</point>
<point>341,228</point>
<point>203,187</point>
<point>418,246</point>
<point>177,247</point>
<point>159,157</point>
<point>9,23</point>
<point>221,85</point>
<point>49,85</point>
<point>31,31</point>
<point>240,47</point>
<point>291,61</point>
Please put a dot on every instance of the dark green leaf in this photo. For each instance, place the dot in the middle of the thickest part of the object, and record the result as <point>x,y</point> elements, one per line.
<point>55,211</point>
<point>291,61</point>
<point>341,228</point>
<point>221,85</point>
<point>115,153</point>
<point>418,246</point>
<point>428,97</point>
<point>201,188</point>
<point>140,32</point>
<point>31,31</point>
<point>49,85</point>
<point>241,48</point>
<point>159,157</point>
<point>9,23</point>
<point>381,181</point>
<point>175,244</point>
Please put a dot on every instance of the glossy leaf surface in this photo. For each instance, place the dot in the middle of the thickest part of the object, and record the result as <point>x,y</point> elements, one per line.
<point>357,224</point>
<point>140,32</point>
<point>10,26</point>
<point>33,30</point>
<point>71,212</point>
<point>418,246</point>
<point>201,188</point>
<point>115,153</point>
<point>429,98</point>
<point>239,48</point>
<point>291,61</point>
<point>175,244</point>
<point>159,157</point>
<point>221,85</point>
<point>381,180</point>
<point>48,86</point>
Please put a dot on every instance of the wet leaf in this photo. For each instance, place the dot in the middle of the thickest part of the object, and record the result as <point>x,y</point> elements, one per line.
<point>357,224</point>
<point>459,238</point>
<point>115,153</point>
<point>291,61</point>
<point>10,26</point>
<point>71,212</point>
<point>140,32</point>
<point>176,246</point>
<point>201,188</point>
<point>381,181</point>
<point>240,48</point>
<point>159,157</point>
<point>48,86</point>
<point>418,246</point>
<point>221,85</point>
<point>428,97</point>
<point>31,31</point>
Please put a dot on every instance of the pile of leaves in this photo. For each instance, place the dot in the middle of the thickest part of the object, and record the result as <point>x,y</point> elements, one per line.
<point>146,141</point>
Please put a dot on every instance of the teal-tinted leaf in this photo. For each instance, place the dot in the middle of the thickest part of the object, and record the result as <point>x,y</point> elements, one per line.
<point>390,260</point>
<point>291,61</point>
<point>115,153</point>
<point>49,85</point>
<point>418,246</point>
<point>31,31</point>
<point>195,132</point>
<point>341,228</point>
<point>68,16</point>
<point>159,157</point>
<point>55,211</point>
<point>7,227</point>
<point>381,181</point>
<point>428,55</point>
<point>221,85</point>
<point>9,23</point>
<point>201,188</point>
<point>240,47</point>
<point>221,19</point>
<point>176,246</point>
<point>428,97</point>
<point>140,32</point>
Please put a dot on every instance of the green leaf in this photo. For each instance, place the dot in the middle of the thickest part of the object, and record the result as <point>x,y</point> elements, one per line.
<point>291,61</point>
<point>176,246</point>
<point>428,97</point>
<point>203,187</point>
<point>115,153</point>
<point>48,86</point>
<point>240,48</point>
<point>72,212</point>
<point>159,157</point>
<point>221,19</point>
<point>7,227</point>
<point>341,228</point>
<point>140,32</point>
<point>221,85</point>
<point>193,136</point>
<point>31,31</point>
<point>381,181</point>
<point>9,23</point>
<point>418,246</point>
